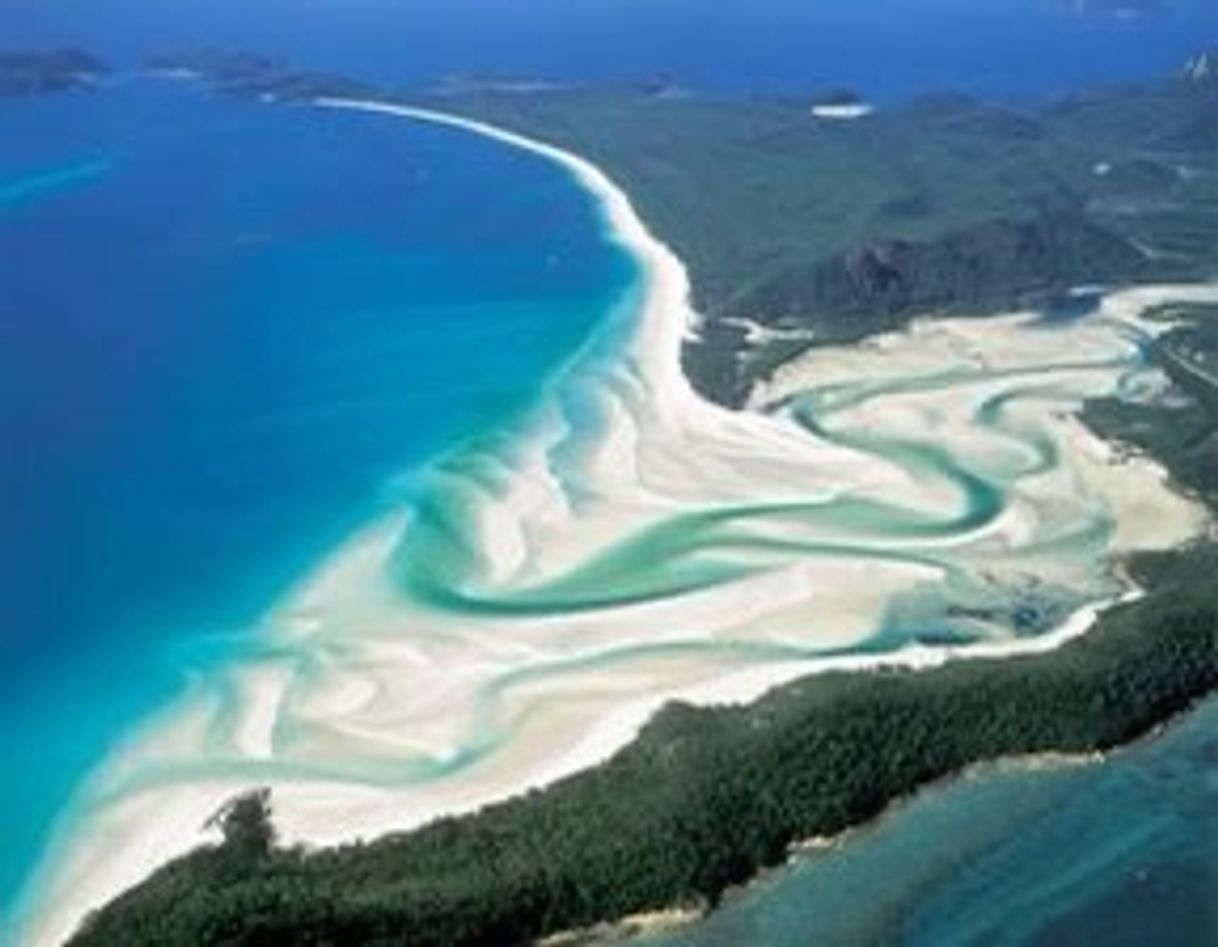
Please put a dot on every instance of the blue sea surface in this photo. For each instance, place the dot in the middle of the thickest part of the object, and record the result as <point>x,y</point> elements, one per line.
<point>229,333</point>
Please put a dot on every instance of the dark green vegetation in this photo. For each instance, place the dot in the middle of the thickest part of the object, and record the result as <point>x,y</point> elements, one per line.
<point>56,70</point>
<point>705,798</point>
<point>1185,435</point>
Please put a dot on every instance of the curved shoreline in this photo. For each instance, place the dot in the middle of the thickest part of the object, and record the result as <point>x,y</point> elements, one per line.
<point>821,846</point>
<point>658,335</point>
<point>656,347</point>
<point>665,317</point>
<point>806,851</point>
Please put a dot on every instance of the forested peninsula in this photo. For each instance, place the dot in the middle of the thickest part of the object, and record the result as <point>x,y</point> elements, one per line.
<point>702,800</point>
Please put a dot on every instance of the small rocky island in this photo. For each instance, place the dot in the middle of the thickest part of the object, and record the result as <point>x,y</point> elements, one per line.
<point>43,72</point>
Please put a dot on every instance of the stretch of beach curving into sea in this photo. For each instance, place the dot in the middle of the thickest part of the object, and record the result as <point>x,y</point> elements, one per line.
<point>917,498</point>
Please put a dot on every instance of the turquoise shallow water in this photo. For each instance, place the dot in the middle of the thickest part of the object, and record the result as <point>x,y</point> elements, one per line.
<point>229,335</point>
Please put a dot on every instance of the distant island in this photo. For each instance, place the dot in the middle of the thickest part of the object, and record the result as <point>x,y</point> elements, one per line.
<point>943,205</point>
<point>254,76</point>
<point>41,73</point>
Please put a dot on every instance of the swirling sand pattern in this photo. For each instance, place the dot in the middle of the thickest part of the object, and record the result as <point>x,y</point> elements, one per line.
<point>911,499</point>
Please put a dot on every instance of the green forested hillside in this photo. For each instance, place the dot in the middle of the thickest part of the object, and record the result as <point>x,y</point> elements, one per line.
<point>947,204</point>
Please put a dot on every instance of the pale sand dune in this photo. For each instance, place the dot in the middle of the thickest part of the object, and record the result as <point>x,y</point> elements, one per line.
<point>370,691</point>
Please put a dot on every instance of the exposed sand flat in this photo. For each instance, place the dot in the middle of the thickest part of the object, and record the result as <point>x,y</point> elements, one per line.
<point>1149,514</point>
<point>1055,368</point>
<point>524,622</point>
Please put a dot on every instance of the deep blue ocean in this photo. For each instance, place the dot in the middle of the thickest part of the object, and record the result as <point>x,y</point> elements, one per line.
<point>229,333</point>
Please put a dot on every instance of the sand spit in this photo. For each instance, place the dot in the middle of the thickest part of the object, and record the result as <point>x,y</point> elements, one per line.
<point>637,545</point>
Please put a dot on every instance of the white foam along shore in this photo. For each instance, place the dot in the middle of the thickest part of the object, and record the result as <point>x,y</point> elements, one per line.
<point>358,719</point>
